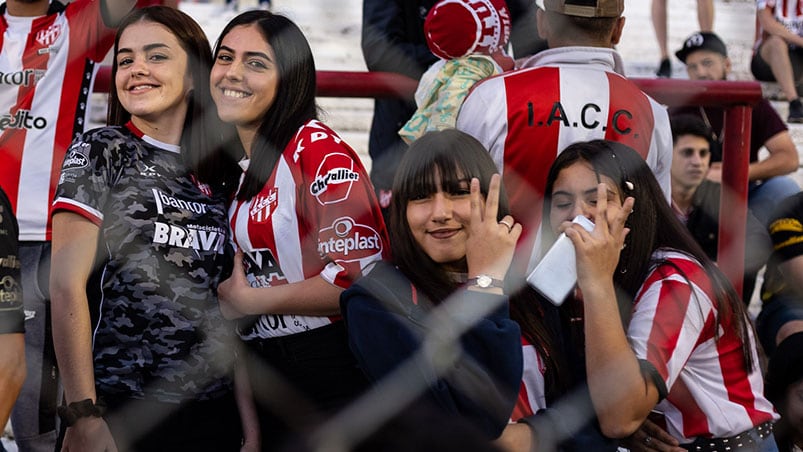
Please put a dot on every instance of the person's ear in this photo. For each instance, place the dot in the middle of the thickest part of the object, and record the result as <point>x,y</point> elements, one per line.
<point>616,35</point>
<point>541,24</point>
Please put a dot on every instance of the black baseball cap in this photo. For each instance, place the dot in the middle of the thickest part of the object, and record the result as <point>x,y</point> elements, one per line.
<point>702,40</point>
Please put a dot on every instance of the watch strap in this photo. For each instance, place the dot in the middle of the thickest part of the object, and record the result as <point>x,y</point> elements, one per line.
<point>485,282</point>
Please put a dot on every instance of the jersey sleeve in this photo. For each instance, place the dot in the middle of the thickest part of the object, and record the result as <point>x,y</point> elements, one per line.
<point>483,115</point>
<point>670,317</point>
<point>340,205</point>
<point>86,176</point>
<point>88,29</point>
<point>11,313</point>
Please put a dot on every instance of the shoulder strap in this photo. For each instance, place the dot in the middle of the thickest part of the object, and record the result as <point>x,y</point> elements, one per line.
<point>396,293</point>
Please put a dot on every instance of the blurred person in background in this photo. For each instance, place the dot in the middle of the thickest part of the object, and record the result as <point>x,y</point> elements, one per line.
<point>392,41</point>
<point>784,388</point>
<point>695,199</point>
<point>12,329</point>
<point>49,54</point>
<point>781,312</point>
<point>778,51</point>
<point>705,18</point>
<point>706,58</point>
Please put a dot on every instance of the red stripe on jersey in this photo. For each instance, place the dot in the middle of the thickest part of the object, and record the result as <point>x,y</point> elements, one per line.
<point>530,145</point>
<point>671,309</point>
<point>629,115</point>
<point>695,422</point>
<point>12,141</point>
<point>734,372</point>
<point>523,406</point>
<point>674,299</point>
<point>69,207</point>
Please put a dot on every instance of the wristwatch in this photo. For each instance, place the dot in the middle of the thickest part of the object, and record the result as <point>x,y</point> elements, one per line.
<point>485,282</point>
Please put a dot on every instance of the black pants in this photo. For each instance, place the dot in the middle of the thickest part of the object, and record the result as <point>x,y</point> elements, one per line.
<point>208,425</point>
<point>298,380</point>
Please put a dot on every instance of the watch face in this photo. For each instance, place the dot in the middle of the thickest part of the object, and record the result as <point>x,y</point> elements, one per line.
<point>484,281</point>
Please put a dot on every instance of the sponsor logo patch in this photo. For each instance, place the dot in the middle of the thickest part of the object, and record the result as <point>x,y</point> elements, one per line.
<point>76,157</point>
<point>10,292</point>
<point>164,200</point>
<point>347,240</point>
<point>27,77</point>
<point>22,119</point>
<point>199,238</point>
<point>264,205</point>
<point>261,268</point>
<point>146,170</point>
<point>334,178</point>
<point>10,261</point>
<point>49,36</point>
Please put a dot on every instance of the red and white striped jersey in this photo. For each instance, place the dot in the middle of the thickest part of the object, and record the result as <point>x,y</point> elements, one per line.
<point>560,96</point>
<point>532,394</point>
<point>46,76</point>
<point>710,392</point>
<point>787,12</point>
<point>316,215</point>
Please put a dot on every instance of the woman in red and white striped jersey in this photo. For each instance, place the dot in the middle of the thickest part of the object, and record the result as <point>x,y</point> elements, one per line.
<point>305,220</point>
<point>685,347</point>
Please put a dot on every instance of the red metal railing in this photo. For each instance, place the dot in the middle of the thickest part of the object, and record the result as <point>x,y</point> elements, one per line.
<point>736,97</point>
<point>331,84</point>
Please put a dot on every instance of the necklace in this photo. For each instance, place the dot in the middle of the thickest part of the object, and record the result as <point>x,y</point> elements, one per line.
<point>716,136</point>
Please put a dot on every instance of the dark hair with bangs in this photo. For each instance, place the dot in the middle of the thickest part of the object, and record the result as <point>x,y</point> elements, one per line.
<point>689,124</point>
<point>202,137</point>
<point>454,156</point>
<point>652,225</point>
<point>294,104</point>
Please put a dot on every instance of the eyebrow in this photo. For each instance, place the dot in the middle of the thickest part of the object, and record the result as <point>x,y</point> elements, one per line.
<point>248,54</point>
<point>148,48</point>
<point>590,191</point>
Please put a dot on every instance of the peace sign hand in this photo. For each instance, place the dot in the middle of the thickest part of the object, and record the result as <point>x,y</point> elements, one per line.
<point>598,250</point>
<point>491,243</point>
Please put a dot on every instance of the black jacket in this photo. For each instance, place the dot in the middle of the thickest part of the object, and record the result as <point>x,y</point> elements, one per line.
<point>387,318</point>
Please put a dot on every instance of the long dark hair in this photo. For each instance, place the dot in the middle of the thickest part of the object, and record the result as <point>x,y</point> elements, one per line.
<point>653,225</point>
<point>456,156</point>
<point>202,136</point>
<point>294,104</point>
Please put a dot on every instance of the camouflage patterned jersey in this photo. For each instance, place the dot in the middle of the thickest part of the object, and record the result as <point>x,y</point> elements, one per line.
<point>11,315</point>
<point>160,334</point>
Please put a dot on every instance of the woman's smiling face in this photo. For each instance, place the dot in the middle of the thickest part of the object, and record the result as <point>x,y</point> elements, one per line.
<point>438,222</point>
<point>244,77</point>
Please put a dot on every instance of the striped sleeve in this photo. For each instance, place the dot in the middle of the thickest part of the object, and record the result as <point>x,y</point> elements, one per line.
<point>672,315</point>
